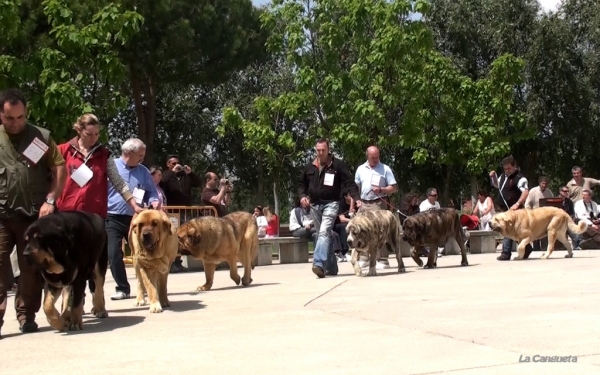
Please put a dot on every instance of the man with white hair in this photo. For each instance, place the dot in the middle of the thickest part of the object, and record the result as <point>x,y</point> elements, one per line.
<point>120,213</point>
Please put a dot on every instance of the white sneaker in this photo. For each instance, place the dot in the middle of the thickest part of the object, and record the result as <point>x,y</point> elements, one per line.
<point>381,266</point>
<point>119,296</point>
<point>340,259</point>
<point>348,257</point>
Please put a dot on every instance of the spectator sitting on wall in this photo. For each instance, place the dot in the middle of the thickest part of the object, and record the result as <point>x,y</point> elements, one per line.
<point>272,223</point>
<point>260,221</point>
<point>301,222</point>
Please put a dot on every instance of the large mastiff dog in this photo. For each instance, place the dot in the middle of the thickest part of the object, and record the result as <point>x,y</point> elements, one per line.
<point>68,248</point>
<point>528,225</point>
<point>434,228</point>
<point>368,231</point>
<point>213,240</point>
<point>153,245</point>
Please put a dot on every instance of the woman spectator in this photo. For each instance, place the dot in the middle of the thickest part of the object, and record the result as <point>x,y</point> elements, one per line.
<point>484,210</point>
<point>156,173</point>
<point>272,223</point>
<point>260,221</point>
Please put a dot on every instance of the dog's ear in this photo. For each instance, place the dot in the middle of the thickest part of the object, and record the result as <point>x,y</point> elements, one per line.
<point>168,225</point>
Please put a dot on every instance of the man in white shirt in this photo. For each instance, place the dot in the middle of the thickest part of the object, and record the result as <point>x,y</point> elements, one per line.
<point>587,210</point>
<point>431,203</point>
<point>375,181</point>
<point>533,201</point>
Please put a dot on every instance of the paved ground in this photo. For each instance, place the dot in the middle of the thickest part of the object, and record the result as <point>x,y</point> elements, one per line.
<point>464,320</point>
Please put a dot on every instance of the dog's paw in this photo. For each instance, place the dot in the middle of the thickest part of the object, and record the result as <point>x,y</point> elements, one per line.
<point>544,256</point>
<point>569,256</point>
<point>464,263</point>
<point>100,314</point>
<point>518,258</point>
<point>203,288</point>
<point>401,269</point>
<point>165,303</point>
<point>155,308</point>
<point>58,324</point>
<point>372,272</point>
<point>140,302</point>
<point>246,283</point>
<point>430,266</point>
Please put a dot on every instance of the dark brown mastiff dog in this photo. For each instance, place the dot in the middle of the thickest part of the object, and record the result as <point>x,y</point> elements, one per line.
<point>434,228</point>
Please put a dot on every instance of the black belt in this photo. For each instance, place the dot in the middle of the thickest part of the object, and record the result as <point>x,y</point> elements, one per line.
<point>371,201</point>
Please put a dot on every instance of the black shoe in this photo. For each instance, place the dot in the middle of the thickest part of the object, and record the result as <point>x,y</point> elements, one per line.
<point>503,257</point>
<point>318,271</point>
<point>527,253</point>
<point>28,326</point>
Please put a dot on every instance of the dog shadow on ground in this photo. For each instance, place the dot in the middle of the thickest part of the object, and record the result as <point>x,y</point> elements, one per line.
<point>452,266</point>
<point>232,287</point>
<point>176,306</point>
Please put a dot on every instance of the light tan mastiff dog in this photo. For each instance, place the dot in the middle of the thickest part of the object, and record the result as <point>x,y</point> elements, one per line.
<point>153,243</point>
<point>526,226</point>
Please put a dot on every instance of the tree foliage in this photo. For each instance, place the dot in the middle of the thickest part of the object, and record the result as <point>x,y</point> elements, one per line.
<point>66,64</point>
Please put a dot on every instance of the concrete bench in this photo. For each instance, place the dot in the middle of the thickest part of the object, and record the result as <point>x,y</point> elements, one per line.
<point>482,241</point>
<point>290,249</point>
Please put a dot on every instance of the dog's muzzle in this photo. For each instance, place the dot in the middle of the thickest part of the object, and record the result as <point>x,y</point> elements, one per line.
<point>148,240</point>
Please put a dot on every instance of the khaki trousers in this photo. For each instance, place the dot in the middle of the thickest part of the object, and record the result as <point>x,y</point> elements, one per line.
<point>28,298</point>
<point>382,254</point>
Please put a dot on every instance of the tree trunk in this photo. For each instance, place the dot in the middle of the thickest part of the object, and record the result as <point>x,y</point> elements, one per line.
<point>446,189</point>
<point>276,198</point>
<point>474,189</point>
<point>144,89</point>
<point>260,189</point>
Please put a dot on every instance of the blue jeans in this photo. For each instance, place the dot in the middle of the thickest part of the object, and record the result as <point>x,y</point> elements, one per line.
<point>323,216</point>
<point>507,245</point>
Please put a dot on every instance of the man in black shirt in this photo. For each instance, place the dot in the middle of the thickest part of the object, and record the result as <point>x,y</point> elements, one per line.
<point>513,189</point>
<point>320,185</point>
<point>177,182</point>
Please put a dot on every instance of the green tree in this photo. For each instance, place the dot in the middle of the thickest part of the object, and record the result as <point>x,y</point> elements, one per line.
<point>61,54</point>
<point>186,43</point>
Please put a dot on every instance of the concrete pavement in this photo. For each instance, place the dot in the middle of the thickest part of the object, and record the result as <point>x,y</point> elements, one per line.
<point>464,320</point>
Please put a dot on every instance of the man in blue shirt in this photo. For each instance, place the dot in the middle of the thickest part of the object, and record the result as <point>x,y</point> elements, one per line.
<point>120,213</point>
<point>376,181</point>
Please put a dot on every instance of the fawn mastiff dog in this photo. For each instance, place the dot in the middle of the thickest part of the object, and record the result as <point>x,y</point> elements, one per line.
<point>213,240</point>
<point>68,248</point>
<point>368,231</point>
<point>153,245</point>
<point>434,228</point>
<point>528,225</point>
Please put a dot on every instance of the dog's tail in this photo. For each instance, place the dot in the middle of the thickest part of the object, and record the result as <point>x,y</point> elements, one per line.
<point>577,228</point>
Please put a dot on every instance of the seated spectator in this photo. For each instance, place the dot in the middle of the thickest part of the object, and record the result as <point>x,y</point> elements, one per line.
<point>301,223</point>
<point>484,210</point>
<point>567,206</point>
<point>272,223</point>
<point>587,210</point>
<point>409,206</point>
<point>346,212</point>
<point>431,203</point>
<point>260,221</point>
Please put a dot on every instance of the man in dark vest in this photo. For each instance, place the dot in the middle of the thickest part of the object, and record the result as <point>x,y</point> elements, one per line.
<point>32,176</point>
<point>513,191</point>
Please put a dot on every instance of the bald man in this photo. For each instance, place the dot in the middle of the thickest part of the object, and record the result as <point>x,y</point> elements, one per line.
<point>216,193</point>
<point>376,182</point>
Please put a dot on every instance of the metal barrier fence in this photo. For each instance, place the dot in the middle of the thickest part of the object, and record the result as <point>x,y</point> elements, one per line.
<point>178,215</point>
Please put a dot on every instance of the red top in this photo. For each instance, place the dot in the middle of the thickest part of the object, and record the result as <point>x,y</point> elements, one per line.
<point>273,226</point>
<point>93,196</point>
